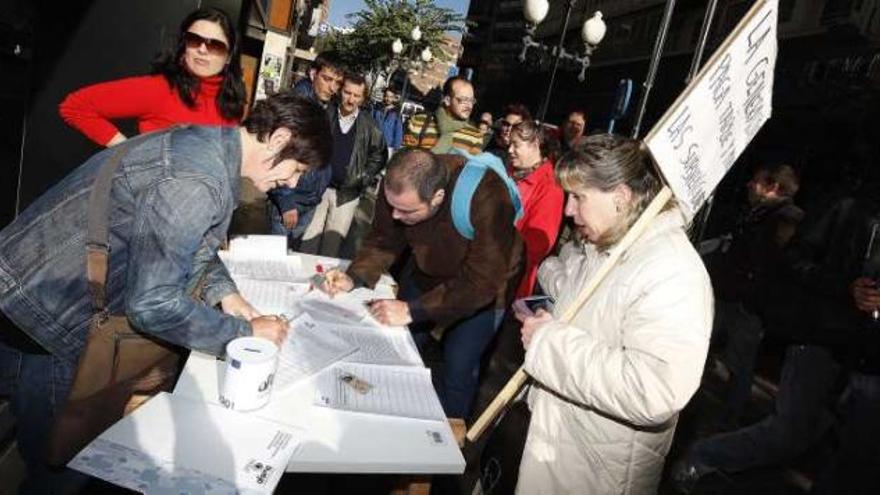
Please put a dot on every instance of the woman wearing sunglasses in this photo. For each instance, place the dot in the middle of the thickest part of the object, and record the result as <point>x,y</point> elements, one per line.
<point>199,83</point>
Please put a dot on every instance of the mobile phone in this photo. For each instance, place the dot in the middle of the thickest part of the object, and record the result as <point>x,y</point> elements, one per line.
<point>530,305</point>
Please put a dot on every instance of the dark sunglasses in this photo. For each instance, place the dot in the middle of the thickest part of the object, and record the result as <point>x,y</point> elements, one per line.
<point>215,47</point>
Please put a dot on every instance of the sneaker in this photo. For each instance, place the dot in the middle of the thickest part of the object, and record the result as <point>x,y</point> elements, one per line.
<point>686,473</point>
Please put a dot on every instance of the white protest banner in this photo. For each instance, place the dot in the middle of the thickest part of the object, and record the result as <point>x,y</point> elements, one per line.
<point>697,140</point>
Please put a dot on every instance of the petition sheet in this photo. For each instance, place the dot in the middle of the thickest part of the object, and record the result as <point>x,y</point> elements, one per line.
<point>307,350</point>
<point>173,444</point>
<point>391,346</point>
<point>271,297</point>
<point>278,269</point>
<point>404,391</point>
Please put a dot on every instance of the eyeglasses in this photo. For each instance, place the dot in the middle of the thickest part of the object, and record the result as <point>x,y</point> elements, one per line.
<point>505,123</point>
<point>214,47</point>
<point>463,100</point>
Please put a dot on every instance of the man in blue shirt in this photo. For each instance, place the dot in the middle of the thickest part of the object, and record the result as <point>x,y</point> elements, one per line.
<point>388,119</point>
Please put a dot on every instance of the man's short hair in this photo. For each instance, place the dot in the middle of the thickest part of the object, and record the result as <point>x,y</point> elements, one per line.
<point>783,175</point>
<point>417,169</point>
<point>581,111</point>
<point>517,109</point>
<point>328,59</point>
<point>354,78</point>
<point>391,89</point>
<point>450,83</point>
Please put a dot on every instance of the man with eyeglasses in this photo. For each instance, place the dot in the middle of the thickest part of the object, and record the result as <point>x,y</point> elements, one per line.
<point>448,127</point>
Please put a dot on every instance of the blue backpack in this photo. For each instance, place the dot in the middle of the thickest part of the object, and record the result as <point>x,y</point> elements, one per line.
<point>466,184</point>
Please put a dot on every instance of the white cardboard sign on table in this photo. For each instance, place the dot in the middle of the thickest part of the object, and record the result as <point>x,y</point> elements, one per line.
<point>697,140</point>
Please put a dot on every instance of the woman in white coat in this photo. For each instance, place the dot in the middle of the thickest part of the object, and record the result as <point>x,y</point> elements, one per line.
<point>609,384</point>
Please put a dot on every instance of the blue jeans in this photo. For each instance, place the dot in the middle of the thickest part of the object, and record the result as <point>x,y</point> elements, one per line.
<point>806,389</point>
<point>854,469</point>
<point>276,224</point>
<point>37,385</point>
<point>744,332</point>
<point>463,346</point>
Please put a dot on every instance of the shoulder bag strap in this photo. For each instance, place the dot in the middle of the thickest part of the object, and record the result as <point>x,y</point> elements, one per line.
<point>98,235</point>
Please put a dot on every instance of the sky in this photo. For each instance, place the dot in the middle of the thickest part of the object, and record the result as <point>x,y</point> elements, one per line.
<point>339,8</point>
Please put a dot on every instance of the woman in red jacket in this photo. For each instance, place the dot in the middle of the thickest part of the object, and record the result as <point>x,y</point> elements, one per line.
<point>199,83</point>
<point>542,198</point>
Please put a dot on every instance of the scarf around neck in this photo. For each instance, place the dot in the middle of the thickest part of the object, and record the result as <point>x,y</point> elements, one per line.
<point>447,126</point>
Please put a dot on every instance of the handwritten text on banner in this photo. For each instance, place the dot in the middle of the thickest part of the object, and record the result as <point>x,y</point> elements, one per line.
<point>709,125</point>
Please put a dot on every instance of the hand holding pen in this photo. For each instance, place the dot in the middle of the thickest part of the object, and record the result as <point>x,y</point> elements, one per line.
<point>391,312</point>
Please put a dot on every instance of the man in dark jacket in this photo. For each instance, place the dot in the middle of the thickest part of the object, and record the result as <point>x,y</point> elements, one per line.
<point>359,155</point>
<point>290,209</point>
<point>457,284</point>
<point>834,265</point>
<point>743,274</point>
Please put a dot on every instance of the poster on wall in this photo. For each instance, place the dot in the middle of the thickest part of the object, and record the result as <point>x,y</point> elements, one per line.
<point>272,64</point>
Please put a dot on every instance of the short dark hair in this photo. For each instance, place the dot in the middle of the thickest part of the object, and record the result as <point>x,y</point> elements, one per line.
<point>417,169</point>
<point>447,86</point>
<point>577,110</point>
<point>311,141</point>
<point>783,175</point>
<point>230,100</point>
<point>517,109</point>
<point>392,89</point>
<point>329,60</point>
<point>354,77</point>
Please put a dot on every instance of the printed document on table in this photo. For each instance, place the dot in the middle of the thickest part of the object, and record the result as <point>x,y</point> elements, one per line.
<point>391,346</point>
<point>347,308</point>
<point>173,444</point>
<point>307,350</point>
<point>404,391</point>
<point>271,297</point>
<point>278,269</point>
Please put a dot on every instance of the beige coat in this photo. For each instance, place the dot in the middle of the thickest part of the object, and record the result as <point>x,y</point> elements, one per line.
<point>611,384</point>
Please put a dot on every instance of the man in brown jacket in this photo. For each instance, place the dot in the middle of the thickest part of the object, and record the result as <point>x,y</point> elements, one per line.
<point>457,284</point>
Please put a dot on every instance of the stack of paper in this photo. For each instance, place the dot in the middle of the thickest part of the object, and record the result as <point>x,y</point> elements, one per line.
<point>260,246</point>
<point>173,444</point>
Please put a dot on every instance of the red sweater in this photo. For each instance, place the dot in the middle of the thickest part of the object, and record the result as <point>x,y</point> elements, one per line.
<point>543,201</point>
<point>149,99</point>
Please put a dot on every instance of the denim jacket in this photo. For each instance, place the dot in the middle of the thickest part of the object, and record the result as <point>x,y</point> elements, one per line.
<point>171,203</point>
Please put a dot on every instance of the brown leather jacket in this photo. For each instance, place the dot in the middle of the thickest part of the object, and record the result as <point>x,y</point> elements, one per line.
<point>457,277</point>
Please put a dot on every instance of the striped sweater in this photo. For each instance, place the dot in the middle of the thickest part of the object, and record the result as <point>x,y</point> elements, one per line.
<point>469,138</point>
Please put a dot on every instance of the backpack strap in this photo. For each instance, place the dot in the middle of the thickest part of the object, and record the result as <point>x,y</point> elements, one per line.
<point>466,185</point>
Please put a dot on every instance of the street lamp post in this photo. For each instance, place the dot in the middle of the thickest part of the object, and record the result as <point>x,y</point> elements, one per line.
<point>592,33</point>
<point>410,62</point>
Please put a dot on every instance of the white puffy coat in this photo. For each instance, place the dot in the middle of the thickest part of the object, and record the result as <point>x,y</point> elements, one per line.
<point>610,385</point>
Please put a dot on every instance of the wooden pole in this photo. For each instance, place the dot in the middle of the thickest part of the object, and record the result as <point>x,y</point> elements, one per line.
<point>500,402</point>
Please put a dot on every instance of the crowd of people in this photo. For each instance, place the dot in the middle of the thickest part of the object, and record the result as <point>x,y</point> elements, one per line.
<point>471,215</point>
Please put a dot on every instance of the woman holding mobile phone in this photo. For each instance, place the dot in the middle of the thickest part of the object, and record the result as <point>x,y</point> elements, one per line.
<point>611,382</point>
<point>199,82</point>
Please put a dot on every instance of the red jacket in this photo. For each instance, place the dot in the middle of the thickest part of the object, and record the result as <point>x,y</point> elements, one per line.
<point>543,201</point>
<point>149,99</point>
